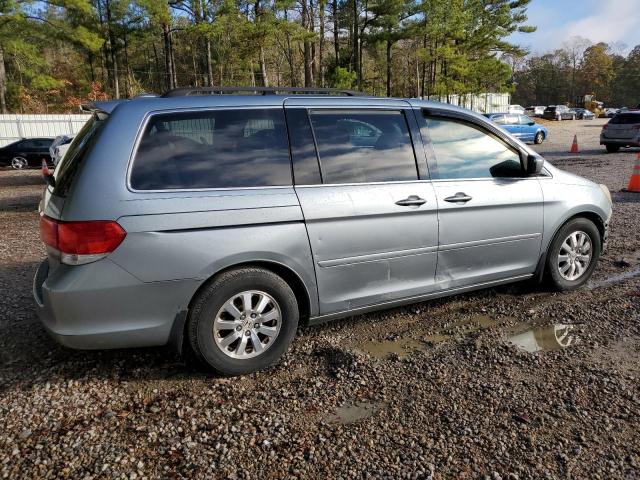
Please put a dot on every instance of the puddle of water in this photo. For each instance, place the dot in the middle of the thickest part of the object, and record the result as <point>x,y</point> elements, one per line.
<point>353,413</point>
<point>621,277</point>
<point>542,338</point>
<point>401,347</point>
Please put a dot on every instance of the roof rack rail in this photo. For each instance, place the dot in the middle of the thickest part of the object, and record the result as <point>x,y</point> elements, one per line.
<point>185,92</point>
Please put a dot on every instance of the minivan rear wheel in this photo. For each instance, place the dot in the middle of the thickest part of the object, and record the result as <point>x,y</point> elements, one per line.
<point>243,321</point>
<point>573,254</point>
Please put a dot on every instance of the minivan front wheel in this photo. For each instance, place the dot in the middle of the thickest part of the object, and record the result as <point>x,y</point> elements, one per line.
<point>573,255</point>
<point>243,321</point>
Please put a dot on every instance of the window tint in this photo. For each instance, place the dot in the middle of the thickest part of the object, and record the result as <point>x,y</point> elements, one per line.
<point>215,149</point>
<point>463,150</point>
<point>364,146</point>
<point>625,119</point>
<point>67,170</point>
<point>306,170</point>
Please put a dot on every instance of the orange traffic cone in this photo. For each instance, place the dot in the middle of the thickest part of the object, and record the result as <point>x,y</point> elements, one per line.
<point>574,145</point>
<point>634,181</point>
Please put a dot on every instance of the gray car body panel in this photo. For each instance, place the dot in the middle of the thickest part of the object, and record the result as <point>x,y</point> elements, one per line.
<point>352,247</point>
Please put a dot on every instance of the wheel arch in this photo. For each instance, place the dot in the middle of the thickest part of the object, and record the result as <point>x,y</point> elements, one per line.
<point>589,215</point>
<point>294,280</point>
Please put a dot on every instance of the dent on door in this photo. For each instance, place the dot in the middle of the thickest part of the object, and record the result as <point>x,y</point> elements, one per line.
<point>494,232</point>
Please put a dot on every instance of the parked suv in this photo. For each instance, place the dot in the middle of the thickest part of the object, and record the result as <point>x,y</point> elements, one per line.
<point>558,112</point>
<point>219,223</point>
<point>623,130</point>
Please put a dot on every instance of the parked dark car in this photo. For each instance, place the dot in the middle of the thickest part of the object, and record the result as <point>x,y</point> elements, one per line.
<point>623,130</point>
<point>25,153</point>
<point>583,114</point>
<point>558,112</point>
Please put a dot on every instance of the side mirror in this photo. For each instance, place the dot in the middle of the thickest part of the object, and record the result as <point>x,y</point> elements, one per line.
<point>534,164</point>
<point>531,124</point>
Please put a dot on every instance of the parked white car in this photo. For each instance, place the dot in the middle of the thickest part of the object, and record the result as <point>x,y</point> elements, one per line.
<point>59,147</point>
<point>518,109</point>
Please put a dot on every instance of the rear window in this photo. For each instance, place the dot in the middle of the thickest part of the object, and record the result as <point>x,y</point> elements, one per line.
<point>214,149</point>
<point>625,119</point>
<point>82,143</point>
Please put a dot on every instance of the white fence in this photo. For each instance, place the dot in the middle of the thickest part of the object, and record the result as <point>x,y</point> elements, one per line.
<point>15,127</point>
<point>479,102</point>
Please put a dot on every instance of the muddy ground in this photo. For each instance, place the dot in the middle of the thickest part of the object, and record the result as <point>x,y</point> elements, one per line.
<point>510,382</point>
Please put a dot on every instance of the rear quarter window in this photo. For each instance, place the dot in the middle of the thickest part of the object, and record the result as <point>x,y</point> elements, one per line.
<point>213,149</point>
<point>82,143</point>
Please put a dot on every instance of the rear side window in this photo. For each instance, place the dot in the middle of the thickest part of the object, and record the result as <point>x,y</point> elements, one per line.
<point>363,146</point>
<point>213,149</point>
<point>463,150</point>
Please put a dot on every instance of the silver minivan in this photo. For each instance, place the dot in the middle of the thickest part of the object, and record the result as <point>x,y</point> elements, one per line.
<point>219,223</point>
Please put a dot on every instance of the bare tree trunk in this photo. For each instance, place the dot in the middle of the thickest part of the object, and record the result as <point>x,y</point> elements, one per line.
<point>168,56</point>
<point>112,51</point>
<point>321,6</point>
<point>336,31</point>
<point>356,43</point>
<point>389,51</point>
<point>3,83</point>
<point>263,68</point>
<point>209,64</point>
<point>308,74</point>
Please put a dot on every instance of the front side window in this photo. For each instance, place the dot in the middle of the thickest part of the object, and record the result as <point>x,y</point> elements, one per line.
<point>463,150</point>
<point>524,120</point>
<point>213,149</point>
<point>363,146</point>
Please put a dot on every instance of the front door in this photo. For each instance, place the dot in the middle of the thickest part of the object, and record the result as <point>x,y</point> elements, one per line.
<point>371,218</point>
<point>491,215</point>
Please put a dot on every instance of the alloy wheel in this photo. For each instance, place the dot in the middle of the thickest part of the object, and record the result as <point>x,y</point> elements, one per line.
<point>247,324</point>
<point>574,256</point>
<point>19,163</point>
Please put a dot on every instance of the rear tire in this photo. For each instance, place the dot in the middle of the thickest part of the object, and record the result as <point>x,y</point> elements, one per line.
<point>573,254</point>
<point>612,148</point>
<point>254,343</point>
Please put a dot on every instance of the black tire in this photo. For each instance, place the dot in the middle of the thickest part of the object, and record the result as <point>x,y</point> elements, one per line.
<point>612,148</point>
<point>539,138</point>
<point>553,274</point>
<point>211,299</point>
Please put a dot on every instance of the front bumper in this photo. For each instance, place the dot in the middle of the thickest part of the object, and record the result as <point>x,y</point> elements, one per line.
<point>101,306</point>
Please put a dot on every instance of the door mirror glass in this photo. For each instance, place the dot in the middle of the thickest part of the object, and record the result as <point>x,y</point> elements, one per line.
<point>531,124</point>
<point>534,164</point>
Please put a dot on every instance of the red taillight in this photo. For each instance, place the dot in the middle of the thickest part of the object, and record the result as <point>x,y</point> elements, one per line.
<point>49,231</point>
<point>74,239</point>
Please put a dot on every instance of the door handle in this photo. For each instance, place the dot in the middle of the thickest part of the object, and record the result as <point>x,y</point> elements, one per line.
<point>459,197</point>
<point>411,201</point>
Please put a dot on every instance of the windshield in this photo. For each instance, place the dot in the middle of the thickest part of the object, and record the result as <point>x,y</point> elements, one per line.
<point>82,143</point>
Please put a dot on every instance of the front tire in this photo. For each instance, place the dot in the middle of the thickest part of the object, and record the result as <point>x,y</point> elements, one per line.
<point>573,254</point>
<point>244,321</point>
<point>539,138</point>
<point>612,148</point>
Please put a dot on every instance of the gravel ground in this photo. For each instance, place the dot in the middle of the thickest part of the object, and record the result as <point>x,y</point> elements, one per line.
<point>472,386</point>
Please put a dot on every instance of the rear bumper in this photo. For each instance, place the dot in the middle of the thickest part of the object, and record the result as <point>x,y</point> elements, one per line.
<point>101,306</point>
<point>623,142</point>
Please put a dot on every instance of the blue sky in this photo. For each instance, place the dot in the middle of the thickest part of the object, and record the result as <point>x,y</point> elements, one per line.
<point>598,20</point>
